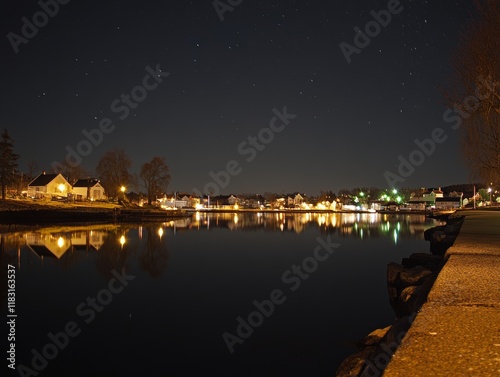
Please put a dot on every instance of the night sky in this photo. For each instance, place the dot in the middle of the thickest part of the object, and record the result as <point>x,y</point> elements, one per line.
<point>220,81</point>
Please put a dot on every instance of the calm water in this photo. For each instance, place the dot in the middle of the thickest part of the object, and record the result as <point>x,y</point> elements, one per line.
<point>192,280</point>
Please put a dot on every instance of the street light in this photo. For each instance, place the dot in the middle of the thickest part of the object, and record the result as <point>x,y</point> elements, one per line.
<point>490,190</point>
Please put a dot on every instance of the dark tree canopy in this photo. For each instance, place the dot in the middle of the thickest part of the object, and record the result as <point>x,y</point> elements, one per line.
<point>155,176</point>
<point>474,92</point>
<point>8,162</point>
<point>113,171</point>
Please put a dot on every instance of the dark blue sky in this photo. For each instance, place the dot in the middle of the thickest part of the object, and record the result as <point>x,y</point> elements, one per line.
<point>226,77</point>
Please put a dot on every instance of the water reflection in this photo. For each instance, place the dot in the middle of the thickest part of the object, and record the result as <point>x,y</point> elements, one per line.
<point>112,243</point>
<point>196,275</point>
<point>358,225</point>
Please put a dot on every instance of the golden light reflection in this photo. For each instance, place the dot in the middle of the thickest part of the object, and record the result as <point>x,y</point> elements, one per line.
<point>60,242</point>
<point>122,240</point>
<point>160,232</point>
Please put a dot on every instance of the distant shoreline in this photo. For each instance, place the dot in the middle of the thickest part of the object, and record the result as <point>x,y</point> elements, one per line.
<point>14,212</point>
<point>220,210</point>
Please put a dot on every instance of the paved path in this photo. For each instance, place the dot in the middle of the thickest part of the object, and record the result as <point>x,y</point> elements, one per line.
<point>457,332</point>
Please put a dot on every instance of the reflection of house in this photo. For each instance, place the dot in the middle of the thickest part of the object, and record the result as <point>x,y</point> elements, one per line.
<point>88,240</point>
<point>47,245</point>
<point>48,185</point>
<point>88,189</point>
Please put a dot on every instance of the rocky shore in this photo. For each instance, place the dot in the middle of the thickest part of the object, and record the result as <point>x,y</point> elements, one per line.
<point>408,284</point>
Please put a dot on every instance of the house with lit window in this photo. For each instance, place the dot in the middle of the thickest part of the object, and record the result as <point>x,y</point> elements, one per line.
<point>88,189</point>
<point>48,186</point>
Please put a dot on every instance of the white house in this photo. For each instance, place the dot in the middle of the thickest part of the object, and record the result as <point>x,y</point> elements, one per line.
<point>48,185</point>
<point>88,189</point>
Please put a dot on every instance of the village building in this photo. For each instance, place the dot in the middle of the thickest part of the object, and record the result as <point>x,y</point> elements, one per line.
<point>88,189</point>
<point>48,186</point>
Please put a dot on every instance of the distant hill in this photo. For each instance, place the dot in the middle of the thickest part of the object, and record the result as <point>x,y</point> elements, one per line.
<point>466,188</point>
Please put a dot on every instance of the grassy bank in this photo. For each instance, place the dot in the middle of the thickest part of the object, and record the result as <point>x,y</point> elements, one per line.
<point>30,212</point>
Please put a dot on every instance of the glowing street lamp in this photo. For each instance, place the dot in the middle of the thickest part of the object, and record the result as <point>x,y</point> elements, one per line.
<point>490,190</point>
<point>61,187</point>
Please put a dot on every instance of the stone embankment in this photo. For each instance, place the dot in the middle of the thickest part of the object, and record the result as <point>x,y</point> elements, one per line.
<point>457,330</point>
<point>409,284</point>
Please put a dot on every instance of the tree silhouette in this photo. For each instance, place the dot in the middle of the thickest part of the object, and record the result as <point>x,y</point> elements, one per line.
<point>8,162</point>
<point>474,91</point>
<point>155,176</point>
<point>113,171</point>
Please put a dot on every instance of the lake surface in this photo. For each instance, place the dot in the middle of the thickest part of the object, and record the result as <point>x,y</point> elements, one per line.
<point>248,294</point>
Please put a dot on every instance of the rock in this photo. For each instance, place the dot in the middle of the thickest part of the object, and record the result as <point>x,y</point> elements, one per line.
<point>414,276</point>
<point>429,233</point>
<point>397,331</point>
<point>422,259</point>
<point>374,337</point>
<point>354,364</point>
<point>393,272</point>
<point>407,293</point>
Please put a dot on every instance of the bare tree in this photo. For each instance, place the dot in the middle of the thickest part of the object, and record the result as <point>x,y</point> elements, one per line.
<point>33,169</point>
<point>475,91</point>
<point>156,177</point>
<point>113,171</point>
<point>72,173</point>
<point>8,162</point>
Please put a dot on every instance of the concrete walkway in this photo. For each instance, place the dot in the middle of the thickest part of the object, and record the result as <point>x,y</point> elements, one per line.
<point>457,331</point>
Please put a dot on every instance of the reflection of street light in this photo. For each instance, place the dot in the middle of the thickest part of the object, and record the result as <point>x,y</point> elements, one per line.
<point>122,241</point>
<point>160,232</point>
